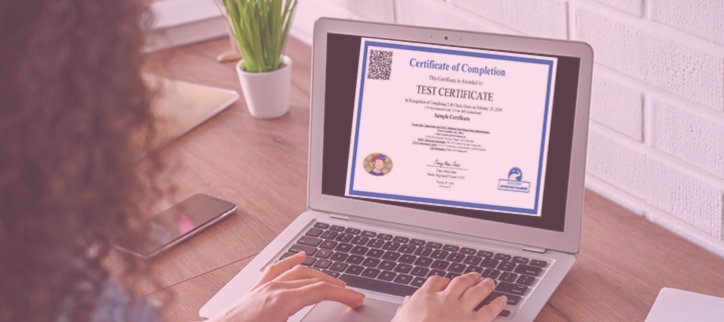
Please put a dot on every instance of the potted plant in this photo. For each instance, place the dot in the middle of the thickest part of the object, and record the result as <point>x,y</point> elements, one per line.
<point>261,28</point>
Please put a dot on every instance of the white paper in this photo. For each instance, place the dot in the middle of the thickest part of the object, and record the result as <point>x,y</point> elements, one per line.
<point>674,305</point>
<point>449,134</point>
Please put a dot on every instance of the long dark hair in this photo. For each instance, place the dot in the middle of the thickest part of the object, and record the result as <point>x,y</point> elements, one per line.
<point>72,105</point>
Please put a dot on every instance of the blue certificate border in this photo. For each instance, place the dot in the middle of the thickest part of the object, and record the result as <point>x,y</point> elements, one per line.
<point>353,192</point>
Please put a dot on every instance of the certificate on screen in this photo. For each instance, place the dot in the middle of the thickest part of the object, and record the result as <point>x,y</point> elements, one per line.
<point>451,127</point>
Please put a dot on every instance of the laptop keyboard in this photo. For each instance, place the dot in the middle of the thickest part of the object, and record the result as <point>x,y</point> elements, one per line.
<point>399,265</point>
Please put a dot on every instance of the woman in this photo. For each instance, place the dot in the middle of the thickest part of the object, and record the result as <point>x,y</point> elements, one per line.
<point>74,110</point>
<point>378,162</point>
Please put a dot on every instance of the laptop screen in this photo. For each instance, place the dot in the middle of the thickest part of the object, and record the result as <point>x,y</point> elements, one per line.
<point>462,131</point>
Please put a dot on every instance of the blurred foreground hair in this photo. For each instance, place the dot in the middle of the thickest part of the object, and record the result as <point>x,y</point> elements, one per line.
<point>72,105</point>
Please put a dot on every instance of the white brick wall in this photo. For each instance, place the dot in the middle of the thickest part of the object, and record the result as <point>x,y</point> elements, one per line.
<point>702,18</point>
<point>535,18</point>
<point>656,143</point>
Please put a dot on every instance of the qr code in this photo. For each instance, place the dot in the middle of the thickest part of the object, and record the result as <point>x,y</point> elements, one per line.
<point>380,64</point>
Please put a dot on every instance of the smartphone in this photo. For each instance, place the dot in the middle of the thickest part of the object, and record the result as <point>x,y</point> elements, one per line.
<point>173,226</point>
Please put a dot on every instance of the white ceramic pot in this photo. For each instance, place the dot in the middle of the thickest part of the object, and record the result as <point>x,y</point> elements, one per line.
<point>267,94</point>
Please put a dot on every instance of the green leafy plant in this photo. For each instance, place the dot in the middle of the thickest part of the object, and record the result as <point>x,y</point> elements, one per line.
<point>261,27</point>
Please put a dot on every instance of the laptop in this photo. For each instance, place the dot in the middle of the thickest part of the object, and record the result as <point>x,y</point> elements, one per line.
<point>437,152</point>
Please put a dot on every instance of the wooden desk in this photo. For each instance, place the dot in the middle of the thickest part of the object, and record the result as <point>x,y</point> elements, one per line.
<point>262,166</point>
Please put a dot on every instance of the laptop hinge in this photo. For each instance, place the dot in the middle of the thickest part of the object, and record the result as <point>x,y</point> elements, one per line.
<point>534,249</point>
<point>339,217</point>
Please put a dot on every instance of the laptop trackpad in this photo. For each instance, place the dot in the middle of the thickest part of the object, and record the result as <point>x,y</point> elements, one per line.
<point>371,311</point>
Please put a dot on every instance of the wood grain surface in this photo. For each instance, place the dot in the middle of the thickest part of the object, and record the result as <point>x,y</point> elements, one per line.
<point>261,165</point>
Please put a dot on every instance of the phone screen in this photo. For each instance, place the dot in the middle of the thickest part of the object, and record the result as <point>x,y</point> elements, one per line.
<point>175,223</point>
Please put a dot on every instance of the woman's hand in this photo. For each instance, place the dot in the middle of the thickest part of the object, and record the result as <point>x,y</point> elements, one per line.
<point>285,288</point>
<point>440,299</point>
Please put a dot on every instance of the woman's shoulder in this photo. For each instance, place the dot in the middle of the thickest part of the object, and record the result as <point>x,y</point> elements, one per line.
<point>117,304</point>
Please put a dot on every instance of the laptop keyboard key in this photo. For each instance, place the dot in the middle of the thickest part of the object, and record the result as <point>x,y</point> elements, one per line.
<point>391,256</point>
<point>340,267</point>
<point>433,245</point>
<point>473,260</point>
<point>359,250</point>
<point>371,262</point>
<point>323,253</point>
<point>526,280</point>
<point>420,271</point>
<point>520,260</point>
<point>506,266</point>
<point>321,225</point>
<point>423,251</point>
<point>492,273</point>
<point>539,263</point>
<point>286,255</point>
<point>311,241</point>
<point>370,234</point>
<point>407,259</point>
<point>403,268</point>
<point>417,242</point>
<point>490,263</point>
<point>483,253</point>
<point>437,272</point>
<point>508,277</point>
<point>323,263</point>
<point>336,228</point>
<point>474,269</point>
<point>467,251</point>
<point>504,313</point>
<point>385,236</point>
<point>338,257</point>
<point>345,238</point>
<point>439,254</point>
<point>402,240</point>
<point>301,248</point>
<point>353,231</point>
<point>456,268</point>
<point>355,259</point>
<point>331,273</point>
<point>391,245</point>
<point>355,270</point>
<point>387,276</point>
<point>451,248</point>
<point>343,248</point>
<point>528,270</point>
<point>329,234</point>
<point>407,249</point>
<point>423,261</point>
<point>440,264</point>
<point>512,288</point>
<point>456,257</point>
<point>452,275</point>
<point>512,299</point>
<point>371,272</point>
<point>314,232</point>
<point>502,257</point>
<point>376,243</point>
<point>376,253</point>
<point>403,279</point>
<point>360,240</point>
<point>328,244</point>
<point>418,281</point>
<point>387,265</point>
<point>377,285</point>
<point>309,261</point>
